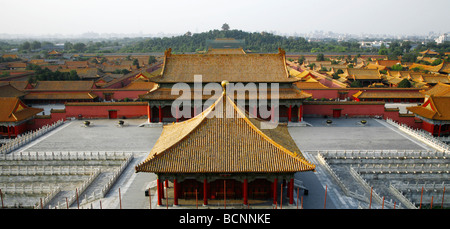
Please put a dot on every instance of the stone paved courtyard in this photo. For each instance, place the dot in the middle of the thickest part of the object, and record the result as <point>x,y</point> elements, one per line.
<point>105,136</point>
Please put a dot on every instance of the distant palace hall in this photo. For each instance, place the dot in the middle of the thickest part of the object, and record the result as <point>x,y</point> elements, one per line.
<point>233,65</point>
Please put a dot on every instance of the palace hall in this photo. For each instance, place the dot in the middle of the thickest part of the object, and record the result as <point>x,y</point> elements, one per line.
<point>225,152</point>
<point>235,66</point>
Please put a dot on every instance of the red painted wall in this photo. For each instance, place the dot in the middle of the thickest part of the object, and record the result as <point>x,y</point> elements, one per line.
<point>100,110</point>
<point>45,120</point>
<point>355,109</point>
<point>317,109</point>
<point>333,92</point>
<point>428,127</point>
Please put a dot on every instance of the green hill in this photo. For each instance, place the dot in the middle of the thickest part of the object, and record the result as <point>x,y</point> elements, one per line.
<point>255,42</point>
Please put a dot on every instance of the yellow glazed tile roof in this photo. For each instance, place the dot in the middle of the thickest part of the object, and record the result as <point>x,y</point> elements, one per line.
<point>14,110</point>
<point>231,67</point>
<point>222,139</point>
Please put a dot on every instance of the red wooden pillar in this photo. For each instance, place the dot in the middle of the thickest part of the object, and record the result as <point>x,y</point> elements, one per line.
<point>205,192</point>
<point>177,113</point>
<point>255,111</point>
<point>245,192</point>
<point>439,131</point>
<point>175,192</point>
<point>300,113</point>
<point>16,130</point>
<point>275,187</point>
<point>290,113</point>
<point>291,191</point>
<point>160,114</point>
<point>9,135</point>
<point>149,113</point>
<point>162,190</point>
<point>159,190</point>
<point>195,111</point>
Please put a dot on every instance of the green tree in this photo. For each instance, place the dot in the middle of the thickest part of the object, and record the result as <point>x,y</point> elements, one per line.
<point>35,45</point>
<point>151,59</point>
<point>25,46</point>
<point>79,47</point>
<point>404,84</point>
<point>383,50</point>
<point>301,59</point>
<point>225,27</point>
<point>409,57</point>
<point>406,46</point>
<point>336,74</point>
<point>136,63</point>
<point>397,67</point>
<point>356,83</point>
<point>73,75</point>
<point>436,62</point>
<point>320,57</point>
<point>68,46</point>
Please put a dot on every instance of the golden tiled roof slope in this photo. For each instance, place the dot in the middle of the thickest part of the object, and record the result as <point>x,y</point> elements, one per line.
<point>222,139</point>
<point>436,108</point>
<point>430,52</point>
<point>8,90</point>
<point>225,51</point>
<point>445,67</point>
<point>141,85</point>
<point>19,85</point>
<point>434,79</point>
<point>64,85</point>
<point>406,94</point>
<point>60,95</point>
<point>440,89</point>
<point>388,63</point>
<point>362,74</point>
<point>231,67</point>
<point>14,110</point>
<point>424,67</point>
<point>310,85</point>
<point>436,104</point>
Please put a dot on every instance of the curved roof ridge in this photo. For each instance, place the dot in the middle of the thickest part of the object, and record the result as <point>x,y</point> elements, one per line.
<point>175,134</point>
<point>199,118</point>
<point>267,138</point>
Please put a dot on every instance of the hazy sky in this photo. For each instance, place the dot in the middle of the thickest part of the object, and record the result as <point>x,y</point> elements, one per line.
<point>39,17</point>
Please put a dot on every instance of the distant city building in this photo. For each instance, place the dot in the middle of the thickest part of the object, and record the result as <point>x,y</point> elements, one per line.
<point>442,38</point>
<point>373,44</point>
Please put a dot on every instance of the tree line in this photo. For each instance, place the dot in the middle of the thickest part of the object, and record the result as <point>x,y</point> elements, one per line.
<point>254,41</point>
<point>45,74</point>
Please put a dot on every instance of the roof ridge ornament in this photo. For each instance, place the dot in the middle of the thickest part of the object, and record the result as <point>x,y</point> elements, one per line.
<point>224,84</point>
<point>168,52</point>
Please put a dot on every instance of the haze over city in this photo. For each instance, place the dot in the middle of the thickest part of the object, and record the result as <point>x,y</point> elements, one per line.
<point>67,18</point>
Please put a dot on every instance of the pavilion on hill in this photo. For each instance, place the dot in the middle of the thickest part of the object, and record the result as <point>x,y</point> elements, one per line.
<point>224,152</point>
